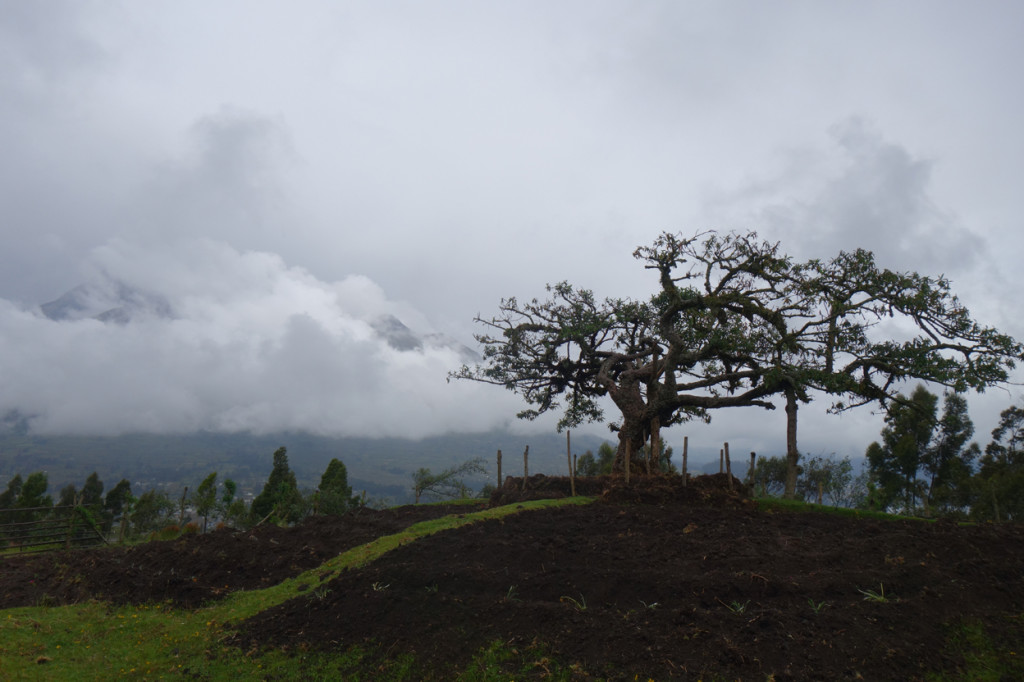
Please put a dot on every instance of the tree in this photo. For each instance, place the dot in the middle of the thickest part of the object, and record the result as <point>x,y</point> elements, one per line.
<point>770,476</point>
<point>448,483</point>
<point>232,509</point>
<point>735,323</point>
<point>948,462</point>
<point>827,480</point>
<point>204,499</point>
<point>587,465</point>
<point>116,503</point>
<point>68,496</point>
<point>280,497</point>
<point>335,492</point>
<point>33,495</point>
<point>896,461</point>
<point>151,512</point>
<point>660,362</point>
<point>999,483</point>
<point>10,495</point>
<point>92,491</point>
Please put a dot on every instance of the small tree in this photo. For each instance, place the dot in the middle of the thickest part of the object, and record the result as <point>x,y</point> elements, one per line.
<point>770,476</point>
<point>999,484</point>
<point>280,497</point>
<point>152,511</point>
<point>448,483</point>
<point>587,465</point>
<point>335,492</point>
<point>10,495</point>
<point>92,492</point>
<point>232,509</point>
<point>115,503</point>
<point>832,477</point>
<point>204,499</point>
<point>33,495</point>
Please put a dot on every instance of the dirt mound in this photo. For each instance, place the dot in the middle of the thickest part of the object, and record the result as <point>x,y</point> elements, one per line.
<point>694,586</point>
<point>197,568</point>
<point>716,490</point>
<point>541,487</point>
<point>673,592</point>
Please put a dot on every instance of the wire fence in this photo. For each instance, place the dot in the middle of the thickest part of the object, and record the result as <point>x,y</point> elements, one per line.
<point>39,529</point>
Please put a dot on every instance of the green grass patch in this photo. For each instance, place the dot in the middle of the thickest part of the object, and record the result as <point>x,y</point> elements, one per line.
<point>986,658</point>
<point>772,504</point>
<point>96,641</point>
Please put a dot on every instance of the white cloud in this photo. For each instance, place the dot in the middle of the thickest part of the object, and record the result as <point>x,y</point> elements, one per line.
<point>250,343</point>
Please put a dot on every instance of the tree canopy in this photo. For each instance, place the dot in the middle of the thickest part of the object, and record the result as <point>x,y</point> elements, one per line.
<point>733,322</point>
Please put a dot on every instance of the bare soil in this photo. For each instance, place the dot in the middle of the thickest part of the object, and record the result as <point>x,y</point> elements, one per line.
<point>654,581</point>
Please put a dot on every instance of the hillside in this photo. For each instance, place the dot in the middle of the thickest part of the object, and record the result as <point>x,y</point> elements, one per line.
<point>646,583</point>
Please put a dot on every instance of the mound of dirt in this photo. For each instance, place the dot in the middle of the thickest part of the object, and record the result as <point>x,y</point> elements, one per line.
<point>716,490</point>
<point>657,580</point>
<point>673,591</point>
<point>197,568</point>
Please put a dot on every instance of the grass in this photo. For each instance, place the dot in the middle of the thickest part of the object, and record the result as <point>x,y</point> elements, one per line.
<point>82,642</point>
<point>780,504</point>
<point>876,597</point>
<point>984,659</point>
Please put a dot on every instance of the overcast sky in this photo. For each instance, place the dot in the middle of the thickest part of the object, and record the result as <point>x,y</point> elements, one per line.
<point>281,173</point>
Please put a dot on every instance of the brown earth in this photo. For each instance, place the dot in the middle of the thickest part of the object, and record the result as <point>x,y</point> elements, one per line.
<point>653,581</point>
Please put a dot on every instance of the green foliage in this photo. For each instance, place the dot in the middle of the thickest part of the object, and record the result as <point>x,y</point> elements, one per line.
<point>68,496</point>
<point>335,492</point>
<point>280,499</point>
<point>895,462</point>
<point>833,477</point>
<point>924,461</point>
<point>10,495</point>
<point>449,483</point>
<point>204,498</point>
<point>586,465</point>
<point>998,487</point>
<point>152,511</point>
<point>949,461</point>
<point>116,503</point>
<point>33,492</point>
<point>770,476</point>
<point>92,491</point>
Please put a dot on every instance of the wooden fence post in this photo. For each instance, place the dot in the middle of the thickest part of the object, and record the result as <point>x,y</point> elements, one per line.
<point>686,447</point>
<point>750,476</point>
<point>181,513</point>
<point>728,465</point>
<point>568,457</point>
<point>526,466</point>
<point>499,468</point>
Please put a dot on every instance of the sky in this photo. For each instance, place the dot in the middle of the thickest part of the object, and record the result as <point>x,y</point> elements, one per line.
<point>279,175</point>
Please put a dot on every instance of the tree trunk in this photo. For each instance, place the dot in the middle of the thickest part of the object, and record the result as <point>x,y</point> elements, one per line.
<point>792,454</point>
<point>631,442</point>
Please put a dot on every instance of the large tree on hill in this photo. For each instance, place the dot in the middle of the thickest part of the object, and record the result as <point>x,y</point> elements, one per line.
<point>735,323</point>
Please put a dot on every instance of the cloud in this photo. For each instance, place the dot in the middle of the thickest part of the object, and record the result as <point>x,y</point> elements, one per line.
<point>859,191</point>
<point>245,343</point>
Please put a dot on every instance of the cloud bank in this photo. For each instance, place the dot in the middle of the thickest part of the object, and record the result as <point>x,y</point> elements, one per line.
<point>208,337</point>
